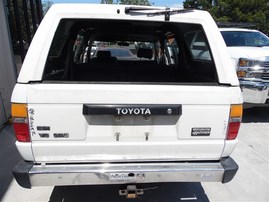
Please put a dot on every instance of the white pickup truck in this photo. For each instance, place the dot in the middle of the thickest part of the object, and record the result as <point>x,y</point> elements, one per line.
<point>158,101</point>
<point>249,50</point>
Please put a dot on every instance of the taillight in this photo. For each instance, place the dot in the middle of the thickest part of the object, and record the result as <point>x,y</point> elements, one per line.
<point>234,121</point>
<point>20,122</point>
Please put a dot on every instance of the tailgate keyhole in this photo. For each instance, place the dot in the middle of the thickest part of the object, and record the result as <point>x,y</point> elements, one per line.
<point>117,136</point>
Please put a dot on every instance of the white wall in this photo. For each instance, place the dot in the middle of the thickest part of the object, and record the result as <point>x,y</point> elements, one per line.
<point>7,66</point>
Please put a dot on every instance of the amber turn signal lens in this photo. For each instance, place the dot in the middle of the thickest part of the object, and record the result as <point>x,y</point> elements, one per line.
<point>19,110</point>
<point>236,111</point>
<point>241,73</point>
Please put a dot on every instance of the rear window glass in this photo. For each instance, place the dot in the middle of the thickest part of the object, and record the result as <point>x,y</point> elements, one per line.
<point>129,51</point>
<point>197,45</point>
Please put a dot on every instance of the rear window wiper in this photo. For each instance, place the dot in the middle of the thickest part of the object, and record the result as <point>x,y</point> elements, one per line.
<point>167,12</point>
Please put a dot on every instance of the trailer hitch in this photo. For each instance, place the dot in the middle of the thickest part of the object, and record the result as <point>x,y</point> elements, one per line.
<point>131,192</point>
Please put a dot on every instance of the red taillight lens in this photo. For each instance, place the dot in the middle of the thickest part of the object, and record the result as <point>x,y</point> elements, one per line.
<point>22,132</point>
<point>234,121</point>
<point>20,122</point>
<point>233,130</point>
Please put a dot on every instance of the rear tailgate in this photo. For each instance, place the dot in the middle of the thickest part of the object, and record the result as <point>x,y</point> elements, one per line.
<point>63,132</point>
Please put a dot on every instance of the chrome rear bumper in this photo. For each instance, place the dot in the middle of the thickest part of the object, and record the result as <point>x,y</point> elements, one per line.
<point>255,92</point>
<point>28,174</point>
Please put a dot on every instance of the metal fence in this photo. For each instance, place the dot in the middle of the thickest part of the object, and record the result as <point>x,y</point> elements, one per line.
<point>24,17</point>
<point>19,20</point>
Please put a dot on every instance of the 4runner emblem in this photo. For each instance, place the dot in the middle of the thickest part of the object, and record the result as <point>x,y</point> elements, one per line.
<point>133,111</point>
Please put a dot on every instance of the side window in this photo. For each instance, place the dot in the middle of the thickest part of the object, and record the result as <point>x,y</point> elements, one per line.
<point>56,61</point>
<point>197,45</point>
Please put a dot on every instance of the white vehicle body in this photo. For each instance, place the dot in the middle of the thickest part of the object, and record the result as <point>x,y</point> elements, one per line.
<point>102,132</point>
<point>254,78</point>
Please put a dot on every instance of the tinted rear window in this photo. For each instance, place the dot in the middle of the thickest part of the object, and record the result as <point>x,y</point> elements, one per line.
<point>129,51</point>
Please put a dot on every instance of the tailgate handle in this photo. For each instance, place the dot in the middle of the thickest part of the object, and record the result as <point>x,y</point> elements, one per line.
<point>132,110</point>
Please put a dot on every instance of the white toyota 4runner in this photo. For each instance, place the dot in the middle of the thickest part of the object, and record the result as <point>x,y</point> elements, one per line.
<point>157,100</point>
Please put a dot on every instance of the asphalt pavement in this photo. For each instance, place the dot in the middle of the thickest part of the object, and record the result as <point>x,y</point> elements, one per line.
<point>251,182</point>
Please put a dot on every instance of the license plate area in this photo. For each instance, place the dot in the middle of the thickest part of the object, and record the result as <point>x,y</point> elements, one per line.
<point>127,176</point>
<point>110,120</point>
<point>131,123</point>
<point>131,115</point>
